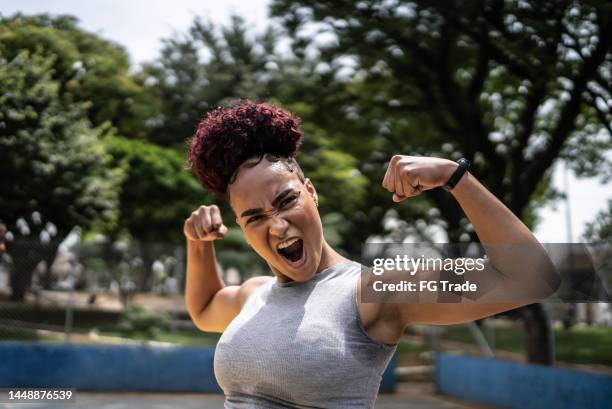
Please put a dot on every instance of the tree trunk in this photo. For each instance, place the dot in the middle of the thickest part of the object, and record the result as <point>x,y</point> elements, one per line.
<point>147,254</point>
<point>540,342</point>
<point>26,255</point>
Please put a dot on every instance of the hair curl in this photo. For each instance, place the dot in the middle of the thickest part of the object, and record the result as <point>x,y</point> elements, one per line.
<point>227,137</point>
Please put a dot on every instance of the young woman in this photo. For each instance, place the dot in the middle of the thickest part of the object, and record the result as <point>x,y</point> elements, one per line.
<point>302,338</point>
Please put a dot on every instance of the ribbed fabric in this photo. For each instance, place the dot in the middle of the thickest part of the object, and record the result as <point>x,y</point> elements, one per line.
<point>301,345</point>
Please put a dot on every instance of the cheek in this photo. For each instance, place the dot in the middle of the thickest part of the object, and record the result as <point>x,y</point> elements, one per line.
<point>259,243</point>
<point>310,223</point>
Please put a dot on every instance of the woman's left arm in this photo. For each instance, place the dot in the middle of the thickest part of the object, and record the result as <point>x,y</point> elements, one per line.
<point>512,249</point>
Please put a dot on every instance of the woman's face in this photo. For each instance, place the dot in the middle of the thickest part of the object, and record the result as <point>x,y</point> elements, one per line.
<point>279,218</point>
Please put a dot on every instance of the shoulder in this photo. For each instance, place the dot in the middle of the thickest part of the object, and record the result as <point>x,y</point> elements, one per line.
<point>249,286</point>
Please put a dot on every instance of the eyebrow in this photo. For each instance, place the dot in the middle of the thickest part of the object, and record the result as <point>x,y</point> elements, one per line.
<point>278,198</point>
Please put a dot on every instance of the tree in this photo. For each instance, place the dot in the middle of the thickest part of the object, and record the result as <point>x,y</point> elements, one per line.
<point>202,69</point>
<point>92,74</point>
<point>87,68</point>
<point>510,85</point>
<point>53,166</point>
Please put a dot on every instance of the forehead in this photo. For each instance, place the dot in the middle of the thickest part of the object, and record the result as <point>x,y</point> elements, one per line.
<point>257,186</point>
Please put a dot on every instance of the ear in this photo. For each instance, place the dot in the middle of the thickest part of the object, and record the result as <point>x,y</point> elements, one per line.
<point>311,189</point>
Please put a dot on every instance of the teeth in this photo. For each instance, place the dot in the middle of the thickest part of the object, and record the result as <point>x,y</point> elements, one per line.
<point>287,243</point>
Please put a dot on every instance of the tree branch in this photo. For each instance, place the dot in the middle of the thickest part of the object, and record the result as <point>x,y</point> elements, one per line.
<point>482,70</point>
<point>544,159</point>
<point>600,114</point>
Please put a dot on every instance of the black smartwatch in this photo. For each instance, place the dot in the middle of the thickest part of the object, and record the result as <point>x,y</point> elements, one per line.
<point>464,165</point>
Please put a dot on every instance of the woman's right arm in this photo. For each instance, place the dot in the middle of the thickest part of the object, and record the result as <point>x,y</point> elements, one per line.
<point>211,304</point>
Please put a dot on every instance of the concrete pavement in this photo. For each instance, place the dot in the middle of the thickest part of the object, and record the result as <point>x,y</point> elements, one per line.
<point>413,396</point>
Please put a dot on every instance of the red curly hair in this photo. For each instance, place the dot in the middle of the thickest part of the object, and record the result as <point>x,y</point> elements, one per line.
<point>228,137</point>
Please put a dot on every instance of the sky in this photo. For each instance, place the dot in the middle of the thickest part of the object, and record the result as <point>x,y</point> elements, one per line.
<point>139,25</point>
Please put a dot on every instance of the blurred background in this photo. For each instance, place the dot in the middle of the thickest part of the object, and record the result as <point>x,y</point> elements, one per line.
<point>98,100</point>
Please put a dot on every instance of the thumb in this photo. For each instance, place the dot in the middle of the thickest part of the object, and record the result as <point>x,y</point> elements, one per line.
<point>397,198</point>
<point>220,233</point>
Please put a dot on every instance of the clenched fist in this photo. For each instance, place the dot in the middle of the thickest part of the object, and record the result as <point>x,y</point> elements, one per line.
<point>408,176</point>
<point>205,224</point>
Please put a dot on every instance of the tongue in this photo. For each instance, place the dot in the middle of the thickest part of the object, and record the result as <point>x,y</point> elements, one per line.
<point>293,252</point>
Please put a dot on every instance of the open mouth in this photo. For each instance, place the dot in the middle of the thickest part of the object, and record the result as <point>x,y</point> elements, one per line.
<point>292,250</point>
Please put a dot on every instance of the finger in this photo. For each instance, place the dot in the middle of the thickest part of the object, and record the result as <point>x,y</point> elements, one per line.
<point>206,222</point>
<point>385,182</point>
<point>417,187</point>
<point>414,191</point>
<point>399,182</point>
<point>215,217</point>
<point>190,232</point>
<point>390,184</point>
<point>197,227</point>
<point>221,232</point>
<point>408,184</point>
<point>397,198</point>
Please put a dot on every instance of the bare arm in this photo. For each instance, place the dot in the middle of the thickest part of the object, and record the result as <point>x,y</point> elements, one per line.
<point>513,251</point>
<point>211,304</point>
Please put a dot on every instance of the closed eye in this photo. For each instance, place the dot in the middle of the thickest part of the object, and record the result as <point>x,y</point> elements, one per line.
<point>288,202</point>
<point>255,218</point>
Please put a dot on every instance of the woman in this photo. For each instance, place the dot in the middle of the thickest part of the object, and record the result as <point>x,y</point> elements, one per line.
<point>303,338</point>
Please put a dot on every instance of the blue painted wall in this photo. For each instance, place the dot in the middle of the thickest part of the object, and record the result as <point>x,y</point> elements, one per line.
<point>515,385</point>
<point>107,367</point>
<point>117,368</point>
<point>388,380</point>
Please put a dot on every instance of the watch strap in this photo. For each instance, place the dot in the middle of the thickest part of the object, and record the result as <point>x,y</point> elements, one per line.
<point>464,165</point>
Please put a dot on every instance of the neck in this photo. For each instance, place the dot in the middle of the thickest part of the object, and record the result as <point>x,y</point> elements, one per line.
<point>330,257</point>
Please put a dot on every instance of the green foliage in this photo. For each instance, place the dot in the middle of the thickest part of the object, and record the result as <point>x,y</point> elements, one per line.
<point>137,319</point>
<point>579,345</point>
<point>86,67</point>
<point>52,160</point>
<point>157,193</point>
<point>201,70</point>
<point>600,229</point>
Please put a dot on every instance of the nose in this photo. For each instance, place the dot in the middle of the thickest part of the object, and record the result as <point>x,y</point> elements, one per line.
<point>278,226</point>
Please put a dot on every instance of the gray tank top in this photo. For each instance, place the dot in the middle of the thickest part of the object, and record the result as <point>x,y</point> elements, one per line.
<point>301,345</point>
